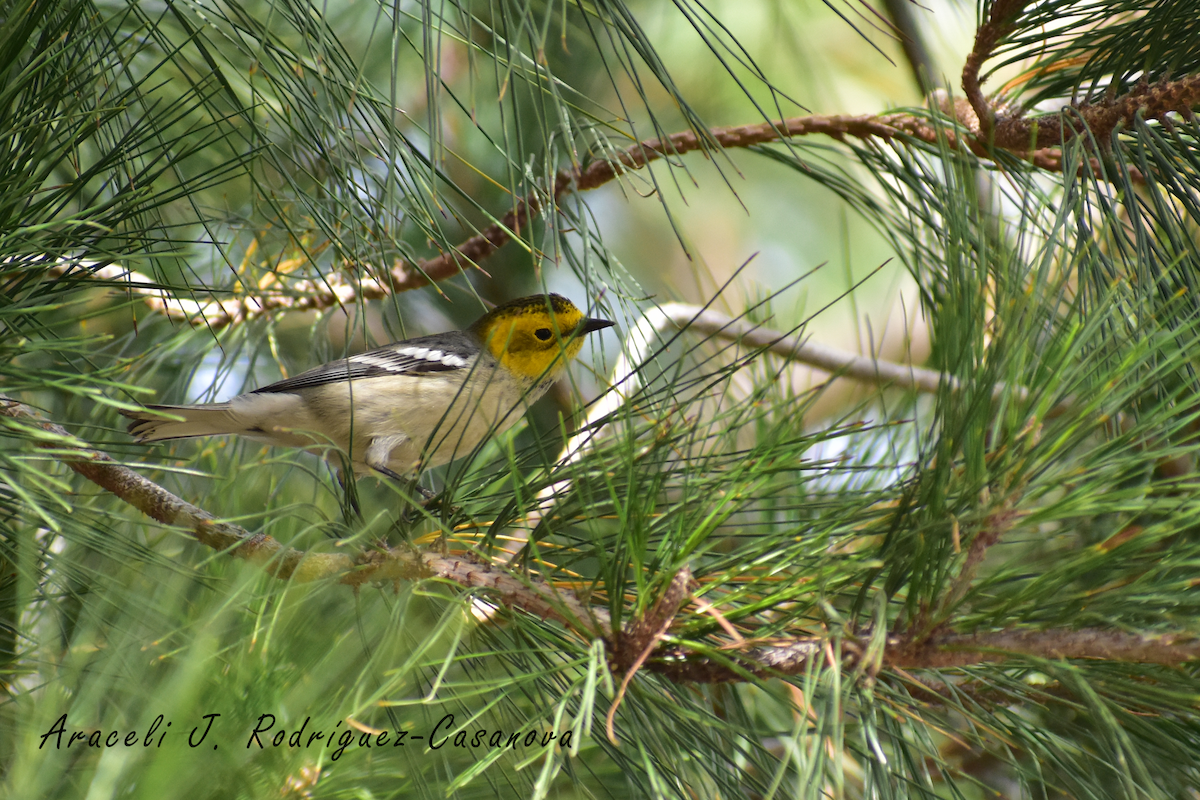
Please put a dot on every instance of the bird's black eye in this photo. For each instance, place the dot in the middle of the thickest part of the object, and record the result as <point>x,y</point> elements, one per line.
<point>544,334</point>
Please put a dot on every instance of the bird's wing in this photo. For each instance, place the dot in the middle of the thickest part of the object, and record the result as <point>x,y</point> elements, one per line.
<point>426,355</point>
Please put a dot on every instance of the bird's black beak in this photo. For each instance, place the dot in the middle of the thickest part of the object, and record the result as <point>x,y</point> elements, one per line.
<point>592,325</point>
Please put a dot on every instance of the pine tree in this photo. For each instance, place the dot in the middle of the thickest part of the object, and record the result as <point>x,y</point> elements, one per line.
<point>971,580</point>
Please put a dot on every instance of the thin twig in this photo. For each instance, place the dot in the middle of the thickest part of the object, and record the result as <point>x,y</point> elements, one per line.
<point>998,25</point>
<point>998,523</point>
<point>641,635</point>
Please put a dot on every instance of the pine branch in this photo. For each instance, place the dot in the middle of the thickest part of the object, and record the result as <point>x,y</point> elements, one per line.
<point>163,506</point>
<point>338,291</point>
<point>963,649</point>
<point>630,648</point>
<point>638,644</point>
<point>1099,120</point>
<point>985,129</point>
<point>384,566</point>
<point>943,651</point>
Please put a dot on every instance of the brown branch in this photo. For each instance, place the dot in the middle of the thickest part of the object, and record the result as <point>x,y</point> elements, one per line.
<point>998,25</point>
<point>338,291</point>
<point>988,129</point>
<point>942,651</point>
<point>1100,120</point>
<point>163,506</point>
<point>964,649</point>
<point>642,632</point>
<point>637,641</point>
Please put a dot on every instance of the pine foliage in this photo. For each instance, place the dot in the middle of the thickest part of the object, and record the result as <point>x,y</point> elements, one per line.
<point>978,585</point>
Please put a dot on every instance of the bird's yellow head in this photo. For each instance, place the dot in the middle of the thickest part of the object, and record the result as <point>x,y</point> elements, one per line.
<point>535,337</point>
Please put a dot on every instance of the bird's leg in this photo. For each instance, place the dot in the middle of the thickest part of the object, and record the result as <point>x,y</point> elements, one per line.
<point>389,473</point>
<point>379,454</point>
<point>426,495</point>
<point>408,483</point>
<point>351,510</point>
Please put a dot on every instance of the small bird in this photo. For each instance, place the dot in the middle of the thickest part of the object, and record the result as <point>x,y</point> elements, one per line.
<point>404,407</point>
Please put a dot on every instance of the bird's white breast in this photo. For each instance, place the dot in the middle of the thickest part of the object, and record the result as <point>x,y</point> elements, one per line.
<point>432,419</point>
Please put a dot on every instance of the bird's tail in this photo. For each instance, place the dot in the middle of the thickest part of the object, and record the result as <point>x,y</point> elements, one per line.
<point>157,423</point>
